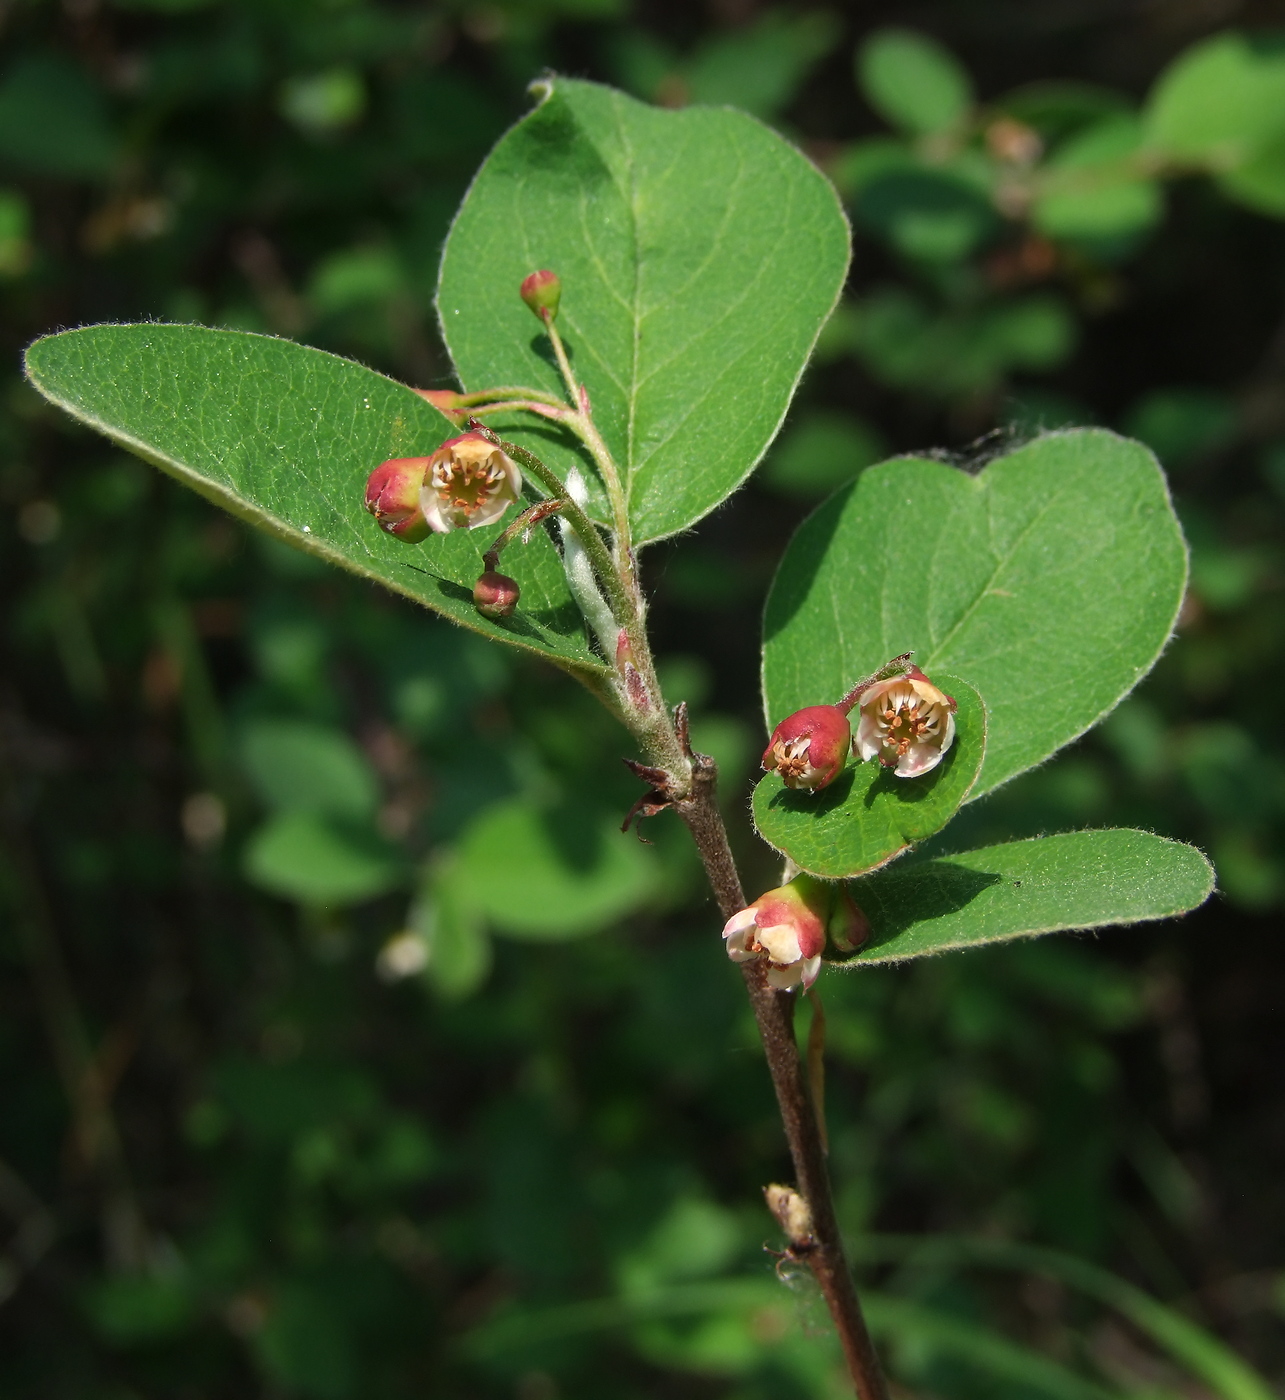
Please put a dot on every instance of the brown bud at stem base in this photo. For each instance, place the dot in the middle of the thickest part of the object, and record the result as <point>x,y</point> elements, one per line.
<point>496,595</point>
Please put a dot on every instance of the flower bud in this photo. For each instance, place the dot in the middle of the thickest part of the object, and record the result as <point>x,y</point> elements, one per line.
<point>495,595</point>
<point>809,748</point>
<point>469,483</point>
<point>542,291</point>
<point>906,723</point>
<point>393,497</point>
<point>847,927</point>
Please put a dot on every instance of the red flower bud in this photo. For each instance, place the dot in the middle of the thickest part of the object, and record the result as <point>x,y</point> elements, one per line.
<point>542,291</point>
<point>495,595</point>
<point>393,497</point>
<point>792,926</point>
<point>809,748</point>
<point>906,723</point>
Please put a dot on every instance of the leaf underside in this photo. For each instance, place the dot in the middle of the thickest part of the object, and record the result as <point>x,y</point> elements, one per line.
<point>284,436</point>
<point>868,815</point>
<point>1050,580</point>
<point>699,254</point>
<point>1077,880</point>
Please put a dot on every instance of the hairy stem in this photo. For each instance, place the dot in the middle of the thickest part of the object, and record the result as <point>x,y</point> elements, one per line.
<point>690,782</point>
<point>581,422</point>
<point>774,1012</point>
<point>621,603</point>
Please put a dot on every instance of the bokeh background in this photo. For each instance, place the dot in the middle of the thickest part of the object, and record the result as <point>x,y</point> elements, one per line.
<point>340,1056</point>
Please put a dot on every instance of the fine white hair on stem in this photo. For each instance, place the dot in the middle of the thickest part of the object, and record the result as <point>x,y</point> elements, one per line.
<point>580,572</point>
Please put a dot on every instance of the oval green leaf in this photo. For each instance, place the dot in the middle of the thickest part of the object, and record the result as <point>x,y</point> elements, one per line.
<point>868,815</point>
<point>315,860</point>
<point>285,436</point>
<point>699,253</point>
<point>1051,884</point>
<point>913,82</point>
<point>549,874</point>
<point>1051,581</point>
<point>1219,100</point>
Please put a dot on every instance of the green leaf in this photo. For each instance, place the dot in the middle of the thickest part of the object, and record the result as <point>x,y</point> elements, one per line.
<point>868,815</point>
<point>1259,182</point>
<point>1050,581</point>
<point>913,82</point>
<point>699,254</point>
<point>1080,879</point>
<point>1219,100</point>
<point>550,874</point>
<point>285,436</point>
<point>760,68</point>
<point>297,766</point>
<point>1093,187</point>
<point>315,860</point>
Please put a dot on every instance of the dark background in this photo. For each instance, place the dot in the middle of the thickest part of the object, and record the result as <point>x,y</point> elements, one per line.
<point>236,1156</point>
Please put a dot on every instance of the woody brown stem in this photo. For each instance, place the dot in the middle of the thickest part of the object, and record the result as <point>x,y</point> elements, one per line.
<point>774,1012</point>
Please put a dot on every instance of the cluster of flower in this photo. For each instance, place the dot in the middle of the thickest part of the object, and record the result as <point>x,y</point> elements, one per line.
<point>904,720</point>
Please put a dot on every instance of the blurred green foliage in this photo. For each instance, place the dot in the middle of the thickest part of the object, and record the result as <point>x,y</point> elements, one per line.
<point>332,1044</point>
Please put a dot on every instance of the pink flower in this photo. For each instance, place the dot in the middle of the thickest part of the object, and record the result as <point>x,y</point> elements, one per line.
<point>393,495</point>
<point>790,927</point>
<point>906,723</point>
<point>809,748</point>
<point>468,483</point>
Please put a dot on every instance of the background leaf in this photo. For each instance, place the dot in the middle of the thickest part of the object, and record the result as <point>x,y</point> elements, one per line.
<point>1080,879</point>
<point>317,860</point>
<point>285,436</point>
<point>297,766</point>
<point>552,873</point>
<point>913,82</point>
<point>699,256</point>
<point>1050,581</point>
<point>1219,100</point>
<point>867,816</point>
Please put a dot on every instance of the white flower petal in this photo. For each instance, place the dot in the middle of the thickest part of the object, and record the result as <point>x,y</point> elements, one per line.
<point>431,505</point>
<point>739,922</point>
<point>948,737</point>
<point>489,512</point>
<point>781,942</point>
<point>868,740</point>
<point>785,979</point>
<point>738,948</point>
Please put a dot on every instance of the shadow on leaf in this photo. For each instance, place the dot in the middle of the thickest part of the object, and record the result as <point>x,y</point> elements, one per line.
<point>900,898</point>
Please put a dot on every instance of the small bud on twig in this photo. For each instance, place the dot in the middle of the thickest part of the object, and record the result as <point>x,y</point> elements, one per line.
<point>495,595</point>
<point>793,1214</point>
<point>542,291</point>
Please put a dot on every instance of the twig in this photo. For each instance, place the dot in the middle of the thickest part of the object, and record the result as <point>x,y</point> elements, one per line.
<point>774,1012</point>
